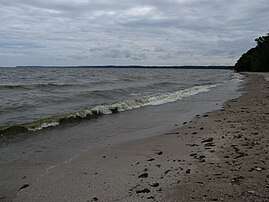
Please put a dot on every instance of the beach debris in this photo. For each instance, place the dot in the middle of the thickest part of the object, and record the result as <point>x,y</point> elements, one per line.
<point>134,187</point>
<point>159,153</point>
<point>24,186</point>
<point>237,180</point>
<point>194,133</point>
<point>208,140</point>
<point>192,145</point>
<point>150,197</point>
<point>202,128</point>
<point>152,159</point>
<point>167,171</point>
<point>193,154</point>
<point>185,123</point>
<point>259,169</point>
<point>188,171</point>
<point>199,182</point>
<point>156,184</point>
<point>251,192</point>
<point>235,148</point>
<point>146,190</point>
<point>209,144</point>
<point>160,189</point>
<point>144,175</point>
<point>94,199</point>
<point>241,154</point>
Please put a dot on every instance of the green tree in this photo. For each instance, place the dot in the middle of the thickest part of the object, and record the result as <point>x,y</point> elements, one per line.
<point>256,59</point>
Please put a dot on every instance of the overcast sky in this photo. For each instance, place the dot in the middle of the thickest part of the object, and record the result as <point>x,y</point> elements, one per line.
<point>125,32</point>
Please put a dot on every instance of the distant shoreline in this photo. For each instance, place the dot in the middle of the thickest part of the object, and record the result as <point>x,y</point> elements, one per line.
<point>135,66</point>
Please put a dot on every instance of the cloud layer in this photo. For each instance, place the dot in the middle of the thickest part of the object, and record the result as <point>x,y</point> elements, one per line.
<point>122,32</point>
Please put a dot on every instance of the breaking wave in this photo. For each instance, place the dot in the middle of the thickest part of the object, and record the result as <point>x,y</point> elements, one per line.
<point>93,112</point>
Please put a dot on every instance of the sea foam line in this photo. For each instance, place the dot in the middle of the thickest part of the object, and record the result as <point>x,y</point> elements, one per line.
<point>135,103</point>
<point>115,107</point>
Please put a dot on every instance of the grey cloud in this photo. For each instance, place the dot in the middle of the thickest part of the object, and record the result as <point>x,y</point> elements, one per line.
<point>164,32</point>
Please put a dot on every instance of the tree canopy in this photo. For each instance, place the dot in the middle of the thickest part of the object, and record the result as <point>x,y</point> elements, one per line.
<point>256,59</point>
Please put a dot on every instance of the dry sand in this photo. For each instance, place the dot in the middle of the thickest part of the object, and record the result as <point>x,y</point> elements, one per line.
<point>218,156</point>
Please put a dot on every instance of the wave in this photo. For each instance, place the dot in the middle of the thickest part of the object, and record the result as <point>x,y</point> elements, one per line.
<point>104,109</point>
<point>237,76</point>
<point>37,85</point>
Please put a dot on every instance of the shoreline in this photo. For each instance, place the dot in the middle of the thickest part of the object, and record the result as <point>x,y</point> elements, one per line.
<point>211,158</point>
<point>238,169</point>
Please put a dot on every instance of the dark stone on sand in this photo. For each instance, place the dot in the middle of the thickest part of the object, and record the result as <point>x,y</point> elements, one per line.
<point>150,197</point>
<point>202,128</point>
<point>95,199</point>
<point>209,144</point>
<point>188,171</point>
<point>208,140</point>
<point>193,154</point>
<point>167,171</point>
<point>159,153</point>
<point>185,123</point>
<point>144,175</point>
<point>159,190</point>
<point>193,145</point>
<point>146,190</point>
<point>24,186</point>
<point>237,180</point>
<point>194,133</point>
<point>241,154</point>
<point>156,184</point>
<point>152,159</point>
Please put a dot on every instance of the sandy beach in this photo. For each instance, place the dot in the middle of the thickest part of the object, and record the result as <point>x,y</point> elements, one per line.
<point>218,156</point>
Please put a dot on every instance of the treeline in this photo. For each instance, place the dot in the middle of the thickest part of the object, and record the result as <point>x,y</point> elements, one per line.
<point>256,59</point>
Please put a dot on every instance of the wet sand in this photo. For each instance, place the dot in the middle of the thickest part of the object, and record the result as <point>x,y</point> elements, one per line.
<point>218,156</point>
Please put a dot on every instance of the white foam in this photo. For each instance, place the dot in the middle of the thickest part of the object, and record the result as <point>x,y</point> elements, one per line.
<point>133,104</point>
<point>44,125</point>
<point>149,100</point>
<point>237,76</point>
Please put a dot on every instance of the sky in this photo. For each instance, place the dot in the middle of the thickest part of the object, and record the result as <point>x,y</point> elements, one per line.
<point>129,32</point>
